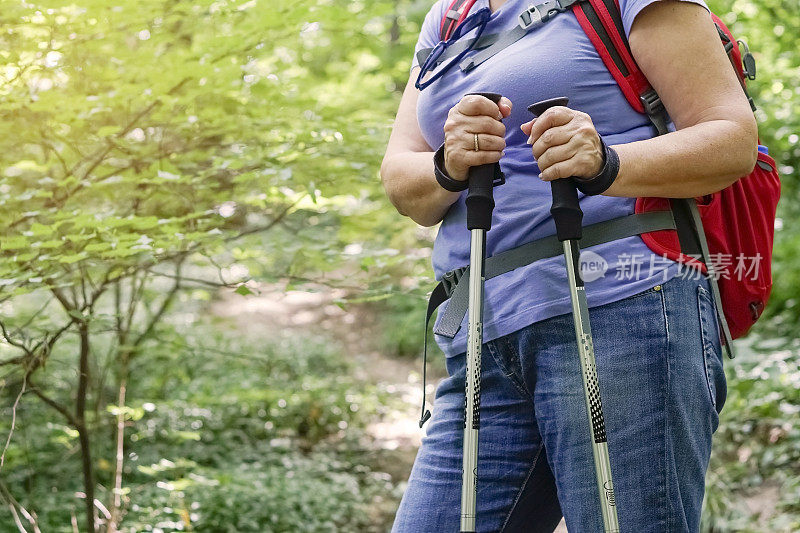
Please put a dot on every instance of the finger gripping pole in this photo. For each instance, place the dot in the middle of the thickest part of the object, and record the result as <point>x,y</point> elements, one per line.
<point>480,198</point>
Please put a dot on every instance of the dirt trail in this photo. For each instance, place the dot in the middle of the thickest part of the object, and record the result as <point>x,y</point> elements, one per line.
<point>310,313</point>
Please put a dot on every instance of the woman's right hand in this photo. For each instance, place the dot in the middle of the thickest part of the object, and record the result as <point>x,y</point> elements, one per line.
<point>472,115</point>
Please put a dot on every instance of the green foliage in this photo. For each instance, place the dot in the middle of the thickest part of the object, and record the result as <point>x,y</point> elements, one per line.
<point>758,444</point>
<point>148,150</point>
<point>297,389</point>
<point>232,434</point>
<point>291,492</point>
<point>402,318</point>
<point>159,127</point>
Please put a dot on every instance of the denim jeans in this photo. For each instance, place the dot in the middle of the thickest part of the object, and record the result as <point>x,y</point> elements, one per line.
<point>659,363</point>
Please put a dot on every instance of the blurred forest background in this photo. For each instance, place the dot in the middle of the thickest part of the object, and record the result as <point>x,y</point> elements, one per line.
<point>209,310</point>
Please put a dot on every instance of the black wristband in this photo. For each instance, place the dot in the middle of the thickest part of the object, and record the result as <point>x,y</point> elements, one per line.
<point>603,180</point>
<point>443,177</point>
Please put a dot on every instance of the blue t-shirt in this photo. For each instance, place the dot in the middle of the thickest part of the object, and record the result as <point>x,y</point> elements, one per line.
<point>556,59</point>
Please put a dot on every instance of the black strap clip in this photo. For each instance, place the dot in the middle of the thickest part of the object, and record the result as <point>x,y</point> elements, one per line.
<point>748,61</point>
<point>652,102</point>
<point>655,110</point>
<point>451,278</point>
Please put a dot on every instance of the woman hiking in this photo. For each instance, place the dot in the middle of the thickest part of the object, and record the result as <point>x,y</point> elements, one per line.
<point>656,336</point>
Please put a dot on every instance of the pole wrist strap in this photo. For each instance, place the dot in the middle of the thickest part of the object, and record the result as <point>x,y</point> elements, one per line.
<point>603,180</point>
<point>443,177</point>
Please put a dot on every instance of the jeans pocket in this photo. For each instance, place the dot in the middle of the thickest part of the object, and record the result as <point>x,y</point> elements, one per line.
<point>712,349</point>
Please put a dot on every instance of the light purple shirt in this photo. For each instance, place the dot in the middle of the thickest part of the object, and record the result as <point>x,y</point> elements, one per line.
<point>556,59</point>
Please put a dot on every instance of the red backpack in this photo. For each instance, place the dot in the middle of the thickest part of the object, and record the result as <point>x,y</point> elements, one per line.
<point>728,234</point>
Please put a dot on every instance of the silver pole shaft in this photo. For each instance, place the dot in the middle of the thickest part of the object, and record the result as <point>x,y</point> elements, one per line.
<point>594,407</point>
<point>472,399</point>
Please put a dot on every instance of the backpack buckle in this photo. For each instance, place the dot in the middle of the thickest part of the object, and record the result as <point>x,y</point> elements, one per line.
<point>539,13</point>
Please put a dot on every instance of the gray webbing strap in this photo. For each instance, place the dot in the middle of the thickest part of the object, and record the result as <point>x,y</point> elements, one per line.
<point>697,225</point>
<point>593,234</point>
<point>505,40</point>
<point>456,48</point>
<point>534,16</point>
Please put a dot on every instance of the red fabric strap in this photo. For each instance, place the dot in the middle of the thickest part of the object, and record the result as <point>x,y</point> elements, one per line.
<point>631,88</point>
<point>445,33</point>
<point>460,6</point>
<point>620,43</point>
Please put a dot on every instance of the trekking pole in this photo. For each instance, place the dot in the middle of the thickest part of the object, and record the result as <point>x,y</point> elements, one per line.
<point>480,203</point>
<point>568,217</point>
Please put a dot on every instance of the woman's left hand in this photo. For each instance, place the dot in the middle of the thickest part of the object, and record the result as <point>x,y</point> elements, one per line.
<point>565,143</point>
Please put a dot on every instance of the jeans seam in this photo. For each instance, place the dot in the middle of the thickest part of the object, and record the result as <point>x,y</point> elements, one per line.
<point>522,487</point>
<point>667,352</point>
<point>517,372</point>
<point>707,343</point>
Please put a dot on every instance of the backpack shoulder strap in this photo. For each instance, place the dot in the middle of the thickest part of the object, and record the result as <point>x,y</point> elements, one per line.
<point>456,12</point>
<point>601,20</point>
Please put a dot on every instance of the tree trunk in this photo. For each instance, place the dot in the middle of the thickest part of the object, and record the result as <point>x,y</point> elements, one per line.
<point>83,432</point>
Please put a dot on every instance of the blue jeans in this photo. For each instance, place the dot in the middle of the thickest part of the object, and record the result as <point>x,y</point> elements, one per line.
<point>659,363</point>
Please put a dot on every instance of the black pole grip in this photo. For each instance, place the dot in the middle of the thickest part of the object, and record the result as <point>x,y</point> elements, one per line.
<point>540,107</point>
<point>566,211</point>
<point>480,198</point>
